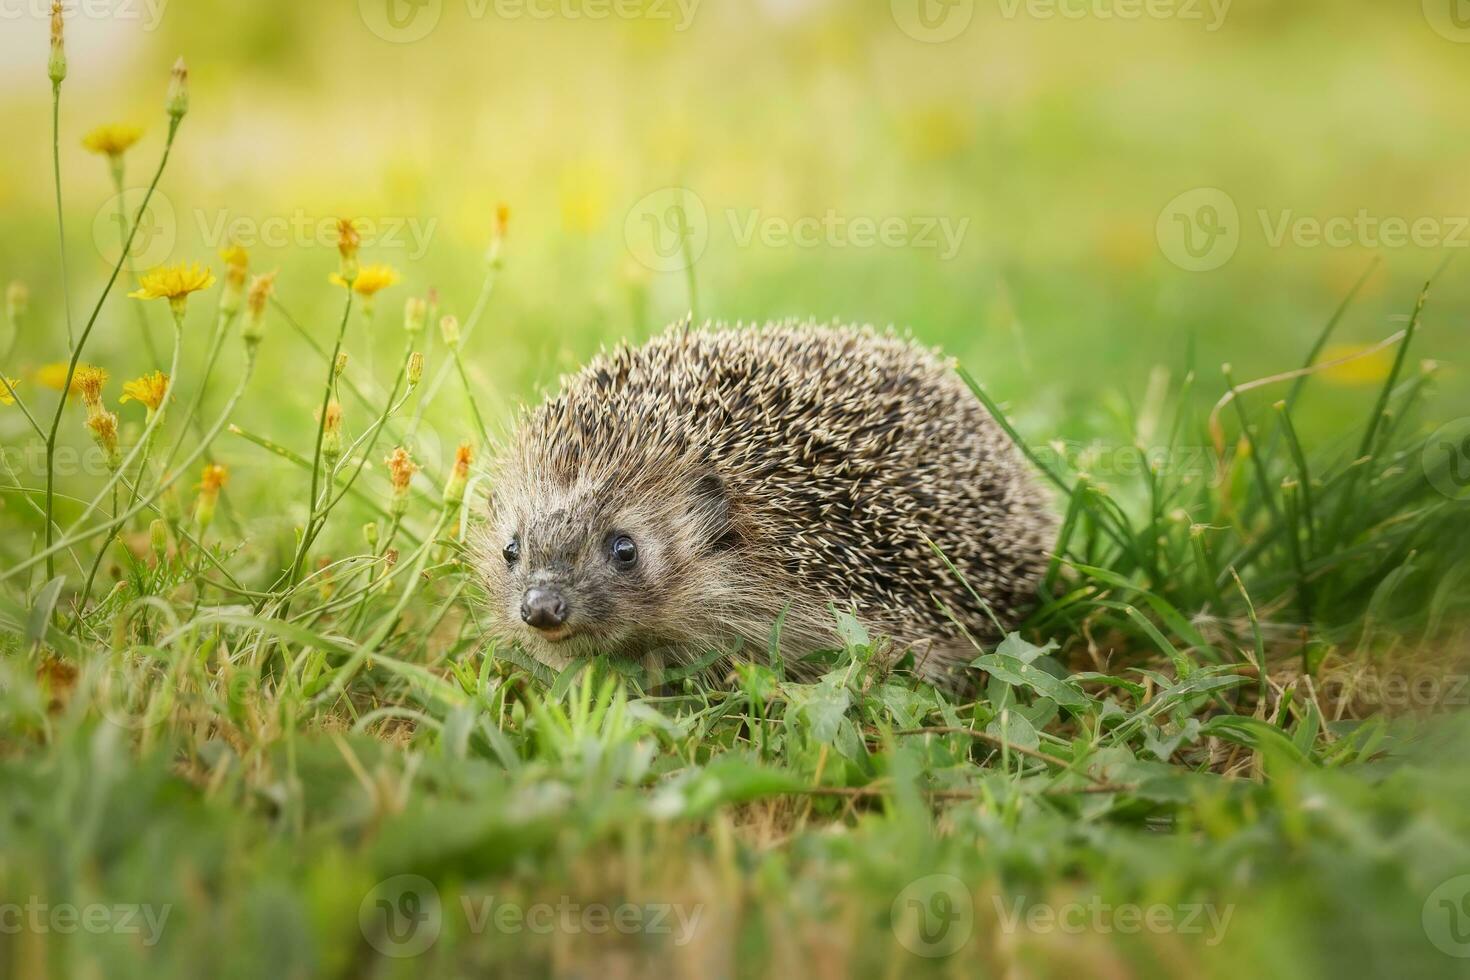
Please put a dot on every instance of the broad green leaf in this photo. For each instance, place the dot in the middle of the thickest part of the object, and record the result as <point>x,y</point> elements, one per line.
<point>1022,674</point>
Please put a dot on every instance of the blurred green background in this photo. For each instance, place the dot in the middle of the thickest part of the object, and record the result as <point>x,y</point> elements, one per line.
<point>1048,147</point>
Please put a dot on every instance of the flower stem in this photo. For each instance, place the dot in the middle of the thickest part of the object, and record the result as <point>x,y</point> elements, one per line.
<point>76,537</point>
<point>148,429</point>
<point>369,646</point>
<point>60,221</point>
<point>190,414</point>
<point>427,393</point>
<point>97,563</point>
<point>314,528</point>
<point>469,393</point>
<point>316,458</point>
<point>76,352</point>
<point>122,232</point>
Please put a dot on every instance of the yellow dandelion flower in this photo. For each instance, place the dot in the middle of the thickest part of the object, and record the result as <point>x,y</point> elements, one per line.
<point>371,279</point>
<point>401,469</point>
<point>497,237</point>
<point>89,379</point>
<point>112,140</point>
<point>348,238</point>
<point>235,256</point>
<point>6,396</point>
<point>1367,367</point>
<point>174,283</point>
<point>256,299</point>
<point>459,476</point>
<point>53,376</point>
<point>149,389</point>
<point>214,478</point>
<point>348,241</point>
<point>237,267</point>
<point>104,431</point>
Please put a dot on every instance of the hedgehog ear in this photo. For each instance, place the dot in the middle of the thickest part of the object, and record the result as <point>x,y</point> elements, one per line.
<point>710,505</point>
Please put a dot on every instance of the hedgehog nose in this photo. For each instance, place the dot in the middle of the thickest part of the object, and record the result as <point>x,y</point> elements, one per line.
<point>543,609</point>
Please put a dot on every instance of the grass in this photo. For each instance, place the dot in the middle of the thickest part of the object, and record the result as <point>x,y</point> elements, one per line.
<point>1224,742</point>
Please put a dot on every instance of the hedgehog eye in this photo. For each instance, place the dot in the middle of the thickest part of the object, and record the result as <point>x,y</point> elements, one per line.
<point>512,552</point>
<point>624,551</point>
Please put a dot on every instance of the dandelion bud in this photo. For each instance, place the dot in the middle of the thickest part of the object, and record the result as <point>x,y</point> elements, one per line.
<point>339,365</point>
<point>401,469</point>
<point>415,315</point>
<point>215,477</point>
<point>56,67</point>
<point>326,587</point>
<point>385,580</point>
<point>332,433</point>
<point>178,91</point>
<point>168,503</point>
<point>415,369</point>
<point>89,379</point>
<point>237,266</point>
<point>449,327</point>
<point>348,242</point>
<point>255,302</point>
<point>370,534</point>
<point>104,430</point>
<point>459,476</point>
<point>17,302</point>
<point>497,238</point>
<point>158,538</point>
<point>433,300</point>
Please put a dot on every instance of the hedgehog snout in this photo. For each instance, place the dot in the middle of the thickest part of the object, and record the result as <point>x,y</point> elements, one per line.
<point>545,609</point>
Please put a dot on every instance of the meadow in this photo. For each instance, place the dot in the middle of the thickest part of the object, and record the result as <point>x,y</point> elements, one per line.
<point>272,305</point>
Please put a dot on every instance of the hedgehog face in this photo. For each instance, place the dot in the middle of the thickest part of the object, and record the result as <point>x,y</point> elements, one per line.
<point>578,571</point>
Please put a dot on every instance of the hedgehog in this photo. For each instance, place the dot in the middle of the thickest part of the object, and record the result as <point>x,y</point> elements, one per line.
<point>716,487</point>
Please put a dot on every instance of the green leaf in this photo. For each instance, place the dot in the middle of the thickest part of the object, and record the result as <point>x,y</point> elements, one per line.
<point>40,614</point>
<point>1014,727</point>
<point>1307,729</point>
<point>824,710</point>
<point>1254,734</point>
<point>1164,743</point>
<point>1021,674</point>
<point>730,779</point>
<point>565,680</point>
<point>1092,676</point>
<point>851,631</point>
<point>905,706</point>
<point>1013,645</point>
